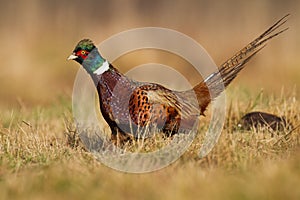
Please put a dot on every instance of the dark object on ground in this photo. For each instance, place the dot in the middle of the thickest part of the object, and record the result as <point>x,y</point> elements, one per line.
<point>261,119</point>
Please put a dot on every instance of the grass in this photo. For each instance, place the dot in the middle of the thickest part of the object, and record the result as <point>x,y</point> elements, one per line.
<point>42,158</point>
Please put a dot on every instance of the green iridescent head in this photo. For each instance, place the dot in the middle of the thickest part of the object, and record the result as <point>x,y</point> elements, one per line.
<point>82,50</point>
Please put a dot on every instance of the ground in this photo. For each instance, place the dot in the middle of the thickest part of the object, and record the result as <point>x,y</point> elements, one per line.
<point>41,158</point>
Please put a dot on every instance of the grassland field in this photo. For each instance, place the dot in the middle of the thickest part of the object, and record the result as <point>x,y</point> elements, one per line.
<point>41,155</point>
<point>41,158</point>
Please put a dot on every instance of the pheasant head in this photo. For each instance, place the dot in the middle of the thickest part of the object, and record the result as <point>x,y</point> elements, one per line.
<point>82,50</point>
<point>86,54</point>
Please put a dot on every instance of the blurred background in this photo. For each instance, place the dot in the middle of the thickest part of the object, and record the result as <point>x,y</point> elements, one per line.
<point>37,36</point>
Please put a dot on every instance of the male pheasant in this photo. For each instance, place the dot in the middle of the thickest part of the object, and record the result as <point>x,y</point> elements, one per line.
<point>130,106</point>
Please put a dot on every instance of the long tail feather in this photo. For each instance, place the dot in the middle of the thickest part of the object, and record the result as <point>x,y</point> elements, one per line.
<point>218,81</point>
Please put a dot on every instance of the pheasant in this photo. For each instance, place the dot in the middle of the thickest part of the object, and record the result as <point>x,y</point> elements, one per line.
<point>131,107</point>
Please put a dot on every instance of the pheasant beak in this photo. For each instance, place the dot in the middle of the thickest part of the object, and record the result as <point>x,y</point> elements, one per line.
<point>72,57</point>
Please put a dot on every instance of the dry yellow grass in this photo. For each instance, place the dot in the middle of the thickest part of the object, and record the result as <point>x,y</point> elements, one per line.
<point>38,161</point>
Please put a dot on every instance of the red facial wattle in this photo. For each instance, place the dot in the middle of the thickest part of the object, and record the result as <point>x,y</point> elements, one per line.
<point>82,53</point>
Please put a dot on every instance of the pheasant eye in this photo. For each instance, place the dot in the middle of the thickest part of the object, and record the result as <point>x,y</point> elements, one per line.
<point>83,52</point>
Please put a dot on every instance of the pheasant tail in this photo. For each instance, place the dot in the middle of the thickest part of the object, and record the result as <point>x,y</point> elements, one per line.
<point>216,83</point>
